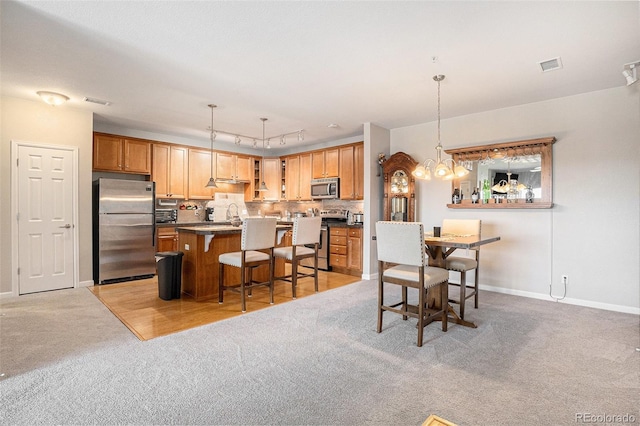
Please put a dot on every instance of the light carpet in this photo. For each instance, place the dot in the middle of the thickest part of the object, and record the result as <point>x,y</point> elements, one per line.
<point>317,360</point>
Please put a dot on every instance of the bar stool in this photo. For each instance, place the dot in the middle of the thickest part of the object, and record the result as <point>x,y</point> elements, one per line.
<point>464,264</point>
<point>402,245</point>
<point>258,240</point>
<point>306,232</point>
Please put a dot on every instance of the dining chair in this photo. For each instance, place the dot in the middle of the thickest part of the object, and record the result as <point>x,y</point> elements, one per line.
<point>256,248</point>
<point>402,261</point>
<point>304,244</point>
<point>464,264</point>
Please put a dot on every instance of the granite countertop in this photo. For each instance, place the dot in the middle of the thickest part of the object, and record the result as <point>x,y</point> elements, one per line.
<point>181,224</point>
<point>345,225</point>
<point>218,229</point>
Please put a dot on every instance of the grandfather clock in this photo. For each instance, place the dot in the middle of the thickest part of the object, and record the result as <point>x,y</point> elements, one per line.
<point>399,188</point>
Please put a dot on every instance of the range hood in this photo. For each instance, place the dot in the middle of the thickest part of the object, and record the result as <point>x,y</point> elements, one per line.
<point>232,181</point>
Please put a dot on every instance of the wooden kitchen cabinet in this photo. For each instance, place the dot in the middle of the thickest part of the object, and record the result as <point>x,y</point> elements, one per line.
<point>272,178</point>
<point>325,163</point>
<point>345,250</point>
<point>170,170</point>
<point>298,177</point>
<point>233,167</point>
<point>199,174</point>
<point>113,153</point>
<point>352,172</point>
<point>166,239</point>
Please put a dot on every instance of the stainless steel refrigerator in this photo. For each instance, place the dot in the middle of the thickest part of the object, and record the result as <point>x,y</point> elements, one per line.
<point>123,230</point>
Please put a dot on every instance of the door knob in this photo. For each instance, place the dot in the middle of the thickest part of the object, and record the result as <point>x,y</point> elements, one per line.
<point>65,226</point>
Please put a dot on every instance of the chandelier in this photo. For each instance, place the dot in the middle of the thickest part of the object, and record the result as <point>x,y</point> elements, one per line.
<point>443,169</point>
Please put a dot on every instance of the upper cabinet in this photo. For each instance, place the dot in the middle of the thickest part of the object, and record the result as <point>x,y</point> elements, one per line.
<point>298,177</point>
<point>267,170</point>
<point>170,170</point>
<point>113,153</point>
<point>325,163</point>
<point>199,174</point>
<point>233,167</point>
<point>351,172</point>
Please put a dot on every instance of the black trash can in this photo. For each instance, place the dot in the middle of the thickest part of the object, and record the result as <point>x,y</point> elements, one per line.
<point>169,266</point>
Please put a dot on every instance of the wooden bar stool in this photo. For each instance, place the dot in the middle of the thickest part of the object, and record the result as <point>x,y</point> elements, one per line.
<point>402,245</point>
<point>464,264</point>
<point>306,232</point>
<point>258,240</point>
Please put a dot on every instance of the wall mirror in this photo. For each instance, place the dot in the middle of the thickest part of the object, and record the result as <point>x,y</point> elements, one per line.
<point>519,174</point>
<point>399,188</point>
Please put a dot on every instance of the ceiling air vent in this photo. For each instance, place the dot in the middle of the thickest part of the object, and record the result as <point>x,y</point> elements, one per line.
<point>551,64</point>
<point>96,101</point>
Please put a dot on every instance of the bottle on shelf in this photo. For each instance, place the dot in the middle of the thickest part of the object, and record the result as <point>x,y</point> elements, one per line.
<point>455,198</point>
<point>486,191</point>
<point>475,196</point>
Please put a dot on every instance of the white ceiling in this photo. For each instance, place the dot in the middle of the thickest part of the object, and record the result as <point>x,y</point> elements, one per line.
<point>309,64</point>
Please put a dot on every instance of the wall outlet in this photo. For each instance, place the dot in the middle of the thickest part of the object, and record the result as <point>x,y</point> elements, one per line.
<point>565,279</point>
<point>186,247</point>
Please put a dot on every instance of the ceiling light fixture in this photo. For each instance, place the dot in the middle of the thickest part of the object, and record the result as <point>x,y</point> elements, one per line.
<point>53,98</point>
<point>239,137</point>
<point>630,72</point>
<point>263,186</point>
<point>212,136</point>
<point>444,169</point>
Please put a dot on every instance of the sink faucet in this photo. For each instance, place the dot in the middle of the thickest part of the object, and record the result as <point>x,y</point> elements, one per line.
<point>229,215</point>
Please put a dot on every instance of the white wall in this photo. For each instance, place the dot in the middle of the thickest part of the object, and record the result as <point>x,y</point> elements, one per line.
<point>35,121</point>
<point>592,234</point>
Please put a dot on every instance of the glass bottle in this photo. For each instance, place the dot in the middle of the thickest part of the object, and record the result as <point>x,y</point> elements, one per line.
<point>512,192</point>
<point>486,191</point>
<point>455,198</point>
<point>529,195</point>
<point>475,196</point>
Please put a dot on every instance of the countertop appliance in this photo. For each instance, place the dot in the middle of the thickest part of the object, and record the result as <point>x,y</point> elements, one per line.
<point>357,217</point>
<point>123,230</point>
<point>326,188</point>
<point>166,215</point>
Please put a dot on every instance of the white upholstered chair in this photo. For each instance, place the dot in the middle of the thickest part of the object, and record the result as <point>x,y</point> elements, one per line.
<point>464,264</point>
<point>258,239</point>
<point>401,261</point>
<point>306,232</point>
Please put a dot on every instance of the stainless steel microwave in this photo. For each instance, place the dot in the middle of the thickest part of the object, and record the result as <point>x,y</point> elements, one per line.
<point>325,188</point>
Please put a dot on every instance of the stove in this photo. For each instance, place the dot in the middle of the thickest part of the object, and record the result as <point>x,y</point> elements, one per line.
<point>328,216</point>
<point>334,215</point>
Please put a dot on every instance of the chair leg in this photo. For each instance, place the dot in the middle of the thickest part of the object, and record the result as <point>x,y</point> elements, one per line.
<point>404,302</point>
<point>463,292</point>
<point>444,299</point>
<point>242,279</point>
<point>315,271</point>
<point>475,285</point>
<point>421,298</point>
<point>272,267</point>
<point>380,299</point>
<point>220,283</point>
<point>294,276</point>
<point>250,281</point>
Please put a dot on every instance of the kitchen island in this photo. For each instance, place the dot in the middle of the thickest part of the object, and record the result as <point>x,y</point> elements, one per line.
<point>202,245</point>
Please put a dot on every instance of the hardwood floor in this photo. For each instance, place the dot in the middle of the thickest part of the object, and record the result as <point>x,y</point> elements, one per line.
<point>137,305</point>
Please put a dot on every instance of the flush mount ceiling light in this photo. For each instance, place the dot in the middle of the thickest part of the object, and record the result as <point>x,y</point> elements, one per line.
<point>630,72</point>
<point>212,136</point>
<point>550,64</point>
<point>53,98</point>
<point>444,169</point>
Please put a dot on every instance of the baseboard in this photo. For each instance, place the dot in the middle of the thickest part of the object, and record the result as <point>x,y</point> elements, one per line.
<point>88,283</point>
<point>569,301</point>
<point>6,294</point>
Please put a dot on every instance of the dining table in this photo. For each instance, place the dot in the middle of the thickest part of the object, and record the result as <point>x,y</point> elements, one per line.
<point>438,249</point>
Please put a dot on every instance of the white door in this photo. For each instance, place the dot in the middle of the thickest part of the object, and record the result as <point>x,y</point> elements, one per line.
<point>45,219</point>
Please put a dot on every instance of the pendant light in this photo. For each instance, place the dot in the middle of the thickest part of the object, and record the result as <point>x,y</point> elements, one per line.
<point>263,186</point>
<point>212,136</point>
<point>445,169</point>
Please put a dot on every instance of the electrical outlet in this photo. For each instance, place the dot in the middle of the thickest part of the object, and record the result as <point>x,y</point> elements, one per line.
<point>186,247</point>
<point>565,279</point>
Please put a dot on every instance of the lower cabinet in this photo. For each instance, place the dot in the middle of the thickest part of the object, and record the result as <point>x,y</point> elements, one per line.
<point>345,250</point>
<point>166,239</point>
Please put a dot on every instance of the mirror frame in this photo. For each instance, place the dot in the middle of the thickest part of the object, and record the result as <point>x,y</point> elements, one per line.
<point>542,146</point>
<point>404,162</point>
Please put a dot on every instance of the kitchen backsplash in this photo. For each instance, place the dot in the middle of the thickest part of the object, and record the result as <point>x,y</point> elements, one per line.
<point>191,211</point>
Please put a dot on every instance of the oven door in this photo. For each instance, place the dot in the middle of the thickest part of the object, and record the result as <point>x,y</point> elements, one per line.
<point>323,251</point>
